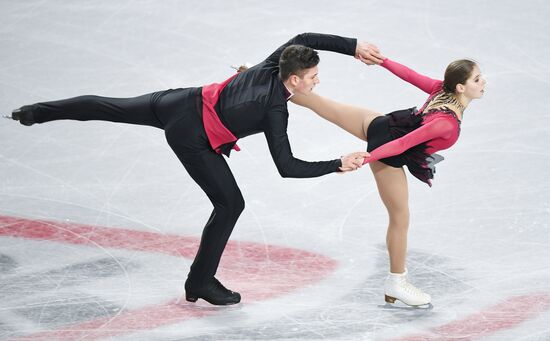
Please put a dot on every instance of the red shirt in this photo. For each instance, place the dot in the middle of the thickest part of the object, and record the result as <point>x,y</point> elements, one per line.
<point>216,132</point>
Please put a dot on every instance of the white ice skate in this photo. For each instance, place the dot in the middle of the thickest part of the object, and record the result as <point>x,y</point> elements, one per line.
<point>397,288</point>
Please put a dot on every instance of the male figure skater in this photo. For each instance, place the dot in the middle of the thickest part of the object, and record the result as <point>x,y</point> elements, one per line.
<point>201,123</point>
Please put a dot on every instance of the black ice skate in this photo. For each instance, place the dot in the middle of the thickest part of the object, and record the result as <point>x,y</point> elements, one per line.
<point>214,293</point>
<point>24,115</point>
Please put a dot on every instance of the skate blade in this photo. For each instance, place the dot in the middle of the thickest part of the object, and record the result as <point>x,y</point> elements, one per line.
<point>404,306</point>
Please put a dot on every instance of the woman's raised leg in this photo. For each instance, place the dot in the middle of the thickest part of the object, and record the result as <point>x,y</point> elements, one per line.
<point>354,120</point>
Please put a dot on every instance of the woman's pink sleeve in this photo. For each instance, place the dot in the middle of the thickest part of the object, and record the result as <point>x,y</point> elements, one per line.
<point>422,82</point>
<point>438,128</point>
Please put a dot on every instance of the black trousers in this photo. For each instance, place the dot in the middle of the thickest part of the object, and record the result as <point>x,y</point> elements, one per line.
<point>178,112</point>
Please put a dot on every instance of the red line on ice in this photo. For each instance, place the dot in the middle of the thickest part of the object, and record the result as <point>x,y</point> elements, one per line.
<point>279,270</point>
<point>501,316</point>
<point>258,271</point>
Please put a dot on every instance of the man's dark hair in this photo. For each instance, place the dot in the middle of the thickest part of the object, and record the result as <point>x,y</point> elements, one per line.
<point>295,59</point>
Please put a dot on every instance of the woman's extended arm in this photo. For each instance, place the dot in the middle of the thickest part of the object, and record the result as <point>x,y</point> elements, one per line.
<point>422,82</point>
<point>438,128</point>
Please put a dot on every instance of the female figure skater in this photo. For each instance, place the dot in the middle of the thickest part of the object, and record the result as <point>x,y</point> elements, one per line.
<point>406,137</point>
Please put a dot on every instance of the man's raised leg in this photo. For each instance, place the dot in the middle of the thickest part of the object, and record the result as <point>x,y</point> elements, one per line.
<point>135,110</point>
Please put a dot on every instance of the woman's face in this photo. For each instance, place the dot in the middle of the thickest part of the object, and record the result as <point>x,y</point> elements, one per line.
<point>475,84</point>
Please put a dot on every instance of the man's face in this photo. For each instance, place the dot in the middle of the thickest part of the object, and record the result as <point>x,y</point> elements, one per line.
<point>306,83</point>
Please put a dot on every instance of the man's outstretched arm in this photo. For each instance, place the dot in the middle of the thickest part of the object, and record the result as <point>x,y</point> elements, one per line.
<point>291,167</point>
<point>334,43</point>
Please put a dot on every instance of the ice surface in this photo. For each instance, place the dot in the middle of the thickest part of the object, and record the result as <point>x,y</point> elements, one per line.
<point>308,255</point>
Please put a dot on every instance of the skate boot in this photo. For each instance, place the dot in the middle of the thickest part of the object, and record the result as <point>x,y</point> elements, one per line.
<point>24,115</point>
<point>213,292</point>
<point>397,288</point>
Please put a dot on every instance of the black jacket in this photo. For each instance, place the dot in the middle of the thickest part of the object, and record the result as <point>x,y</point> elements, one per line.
<point>255,101</point>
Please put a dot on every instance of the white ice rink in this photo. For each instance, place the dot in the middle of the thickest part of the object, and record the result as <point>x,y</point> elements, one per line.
<point>99,221</point>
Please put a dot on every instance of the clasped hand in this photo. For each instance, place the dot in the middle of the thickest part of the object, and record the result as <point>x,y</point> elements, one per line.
<point>368,53</point>
<point>353,161</point>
